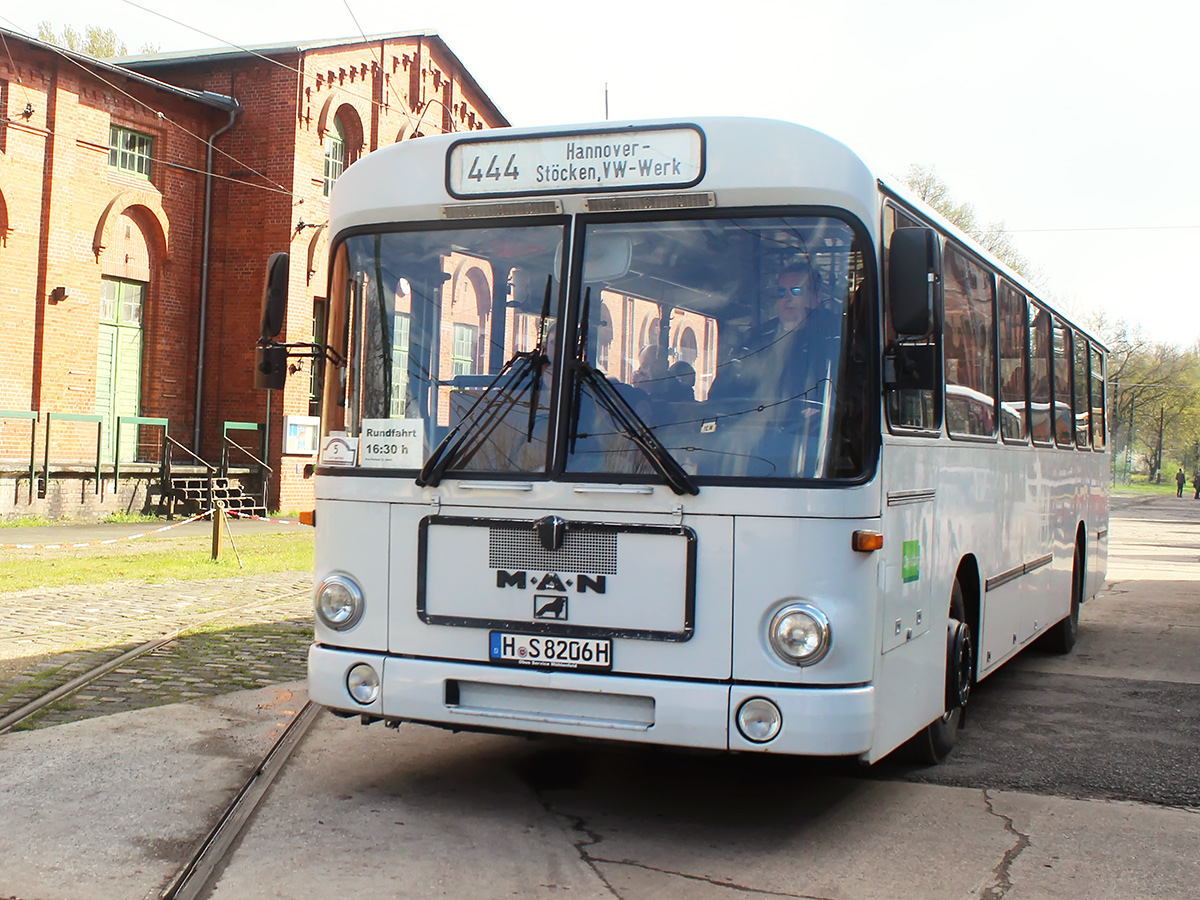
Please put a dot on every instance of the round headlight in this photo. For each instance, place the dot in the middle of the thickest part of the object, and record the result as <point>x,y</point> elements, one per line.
<point>799,633</point>
<point>759,720</point>
<point>339,602</point>
<point>362,682</point>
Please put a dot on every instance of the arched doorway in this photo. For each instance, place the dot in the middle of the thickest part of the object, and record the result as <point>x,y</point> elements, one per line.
<point>124,283</point>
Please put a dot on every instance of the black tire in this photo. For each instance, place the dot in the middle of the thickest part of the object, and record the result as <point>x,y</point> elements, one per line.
<point>1060,637</point>
<point>935,741</point>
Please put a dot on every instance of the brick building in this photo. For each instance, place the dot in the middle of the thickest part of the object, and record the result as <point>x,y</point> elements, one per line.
<point>138,205</point>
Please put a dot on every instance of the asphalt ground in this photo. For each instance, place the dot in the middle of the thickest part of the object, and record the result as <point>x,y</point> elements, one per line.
<point>110,806</point>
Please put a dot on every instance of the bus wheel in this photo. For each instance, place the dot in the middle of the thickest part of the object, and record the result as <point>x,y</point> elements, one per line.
<point>1060,637</point>
<point>934,742</point>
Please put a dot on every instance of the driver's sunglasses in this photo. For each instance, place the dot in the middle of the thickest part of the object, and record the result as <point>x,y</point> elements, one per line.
<point>796,291</point>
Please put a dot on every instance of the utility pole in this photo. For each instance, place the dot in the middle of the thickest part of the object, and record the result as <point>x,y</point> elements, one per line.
<point>1129,444</point>
<point>1158,450</point>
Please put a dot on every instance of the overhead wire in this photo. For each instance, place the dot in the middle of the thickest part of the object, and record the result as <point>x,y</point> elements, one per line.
<point>252,52</point>
<point>276,187</point>
<point>392,87</point>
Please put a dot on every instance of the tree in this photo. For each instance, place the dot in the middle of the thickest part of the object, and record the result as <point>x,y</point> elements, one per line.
<point>928,185</point>
<point>1152,388</point>
<point>95,41</point>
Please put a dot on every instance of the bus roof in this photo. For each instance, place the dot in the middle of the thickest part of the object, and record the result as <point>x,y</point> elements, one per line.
<point>744,162</point>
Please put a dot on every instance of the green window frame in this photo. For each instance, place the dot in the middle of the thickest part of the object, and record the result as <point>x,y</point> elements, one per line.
<point>121,302</point>
<point>466,349</point>
<point>400,331</point>
<point>130,151</point>
<point>335,155</point>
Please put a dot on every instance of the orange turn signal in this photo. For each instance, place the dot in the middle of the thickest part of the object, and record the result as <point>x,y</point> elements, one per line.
<point>866,541</point>
<point>308,517</point>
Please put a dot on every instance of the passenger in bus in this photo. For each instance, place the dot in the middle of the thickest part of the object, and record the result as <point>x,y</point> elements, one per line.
<point>651,374</point>
<point>681,383</point>
<point>799,341</point>
<point>777,360</point>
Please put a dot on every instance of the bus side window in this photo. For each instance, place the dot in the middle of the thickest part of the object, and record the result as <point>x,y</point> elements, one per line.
<point>1039,375</point>
<point>1098,400</point>
<point>1083,430</point>
<point>1064,414</point>
<point>968,346</point>
<point>1014,346</point>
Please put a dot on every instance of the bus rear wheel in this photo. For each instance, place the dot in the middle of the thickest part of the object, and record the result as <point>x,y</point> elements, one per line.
<point>1060,637</point>
<point>935,741</point>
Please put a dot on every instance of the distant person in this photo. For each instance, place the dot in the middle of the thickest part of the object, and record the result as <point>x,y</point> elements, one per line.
<point>1196,485</point>
<point>1180,481</point>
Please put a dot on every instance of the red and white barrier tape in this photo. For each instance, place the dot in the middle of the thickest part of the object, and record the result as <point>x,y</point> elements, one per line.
<point>242,515</point>
<point>131,537</point>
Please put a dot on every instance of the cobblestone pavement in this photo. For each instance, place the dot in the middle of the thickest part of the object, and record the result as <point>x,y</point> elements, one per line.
<point>247,632</point>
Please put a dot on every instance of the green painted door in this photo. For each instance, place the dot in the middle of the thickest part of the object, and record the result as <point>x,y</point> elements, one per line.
<point>119,363</point>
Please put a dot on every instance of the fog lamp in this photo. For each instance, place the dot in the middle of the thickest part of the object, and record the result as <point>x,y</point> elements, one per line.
<point>362,682</point>
<point>759,720</point>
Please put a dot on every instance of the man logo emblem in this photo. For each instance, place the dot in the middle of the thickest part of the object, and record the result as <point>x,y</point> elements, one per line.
<point>547,606</point>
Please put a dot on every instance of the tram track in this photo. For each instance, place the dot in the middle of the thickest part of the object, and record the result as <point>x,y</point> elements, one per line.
<point>195,878</point>
<point>60,692</point>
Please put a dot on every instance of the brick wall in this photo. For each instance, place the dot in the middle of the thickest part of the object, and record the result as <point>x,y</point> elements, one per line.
<point>64,213</point>
<point>67,214</point>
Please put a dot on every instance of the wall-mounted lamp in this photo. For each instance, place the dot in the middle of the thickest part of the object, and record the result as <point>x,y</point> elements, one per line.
<point>59,294</point>
<point>27,112</point>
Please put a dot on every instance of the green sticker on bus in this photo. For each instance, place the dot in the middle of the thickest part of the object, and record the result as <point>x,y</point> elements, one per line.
<point>910,565</point>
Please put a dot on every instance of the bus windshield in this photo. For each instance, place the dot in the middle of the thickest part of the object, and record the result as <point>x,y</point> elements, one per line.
<point>741,343</point>
<point>707,349</point>
<point>431,319</point>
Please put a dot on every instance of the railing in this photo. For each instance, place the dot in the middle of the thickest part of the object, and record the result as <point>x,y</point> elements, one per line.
<point>140,420</point>
<point>33,420</point>
<point>39,484</point>
<point>264,471</point>
<point>166,470</point>
<point>98,421</point>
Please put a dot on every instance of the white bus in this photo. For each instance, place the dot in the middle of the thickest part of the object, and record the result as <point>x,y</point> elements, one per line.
<point>692,433</point>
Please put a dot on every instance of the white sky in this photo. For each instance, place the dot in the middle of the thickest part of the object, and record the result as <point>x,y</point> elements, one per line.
<point>1075,123</point>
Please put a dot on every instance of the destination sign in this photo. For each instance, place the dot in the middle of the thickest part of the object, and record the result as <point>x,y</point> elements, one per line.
<point>621,159</point>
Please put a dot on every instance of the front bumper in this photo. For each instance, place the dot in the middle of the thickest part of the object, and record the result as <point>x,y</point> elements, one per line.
<point>835,721</point>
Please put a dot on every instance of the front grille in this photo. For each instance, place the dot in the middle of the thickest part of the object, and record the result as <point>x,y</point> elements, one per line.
<point>584,551</point>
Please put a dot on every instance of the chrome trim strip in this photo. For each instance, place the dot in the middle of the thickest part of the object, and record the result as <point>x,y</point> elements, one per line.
<point>496,485</point>
<point>692,200</point>
<point>900,498</point>
<point>614,489</point>
<point>508,208</point>
<point>1003,578</point>
<point>1016,572</point>
<point>1039,562</point>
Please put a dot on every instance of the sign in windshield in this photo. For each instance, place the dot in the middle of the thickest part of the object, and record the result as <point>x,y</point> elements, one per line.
<point>625,159</point>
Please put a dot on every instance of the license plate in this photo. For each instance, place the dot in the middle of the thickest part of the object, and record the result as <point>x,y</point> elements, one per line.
<point>547,652</point>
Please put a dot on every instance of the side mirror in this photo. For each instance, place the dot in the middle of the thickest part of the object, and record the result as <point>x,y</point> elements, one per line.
<point>914,280</point>
<point>270,367</point>
<point>275,295</point>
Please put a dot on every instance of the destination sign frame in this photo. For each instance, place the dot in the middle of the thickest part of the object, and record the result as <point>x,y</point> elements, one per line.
<point>654,157</point>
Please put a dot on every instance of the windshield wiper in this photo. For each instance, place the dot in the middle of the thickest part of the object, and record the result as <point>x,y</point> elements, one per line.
<point>624,416</point>
<point>466,438</point>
